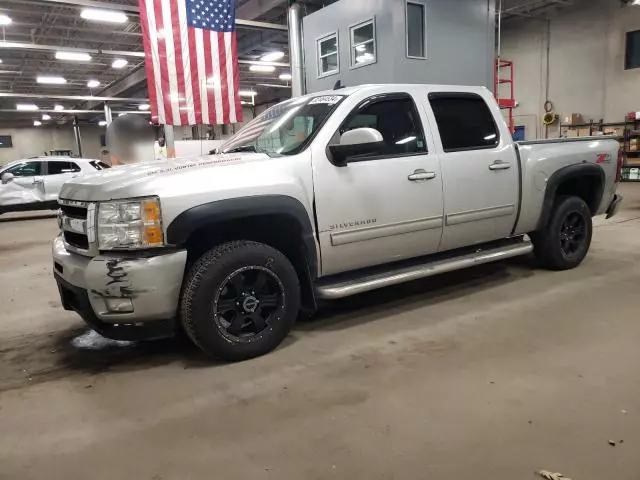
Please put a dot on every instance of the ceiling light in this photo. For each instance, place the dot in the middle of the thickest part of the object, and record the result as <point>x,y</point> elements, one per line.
<point>73,56</point>
<point>37,123</point>
<point>262,68</point>
<point>119,63</point>
<point>0,60</point>
<point>102,123</point>
<point>635,2</point>
<point>144,106</point>
<point>58,108</point>
<point>100,15</point>
<point>27,107</point>
<point>247,93</point>
<point>93,83</point>
<point>285,76</point>
<point>5,20</point>
<point>46,116</point>
<point>50,80</point>
<point>272,56</point>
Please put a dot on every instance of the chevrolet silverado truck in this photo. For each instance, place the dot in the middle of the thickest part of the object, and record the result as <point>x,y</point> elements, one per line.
<point>321,197</point>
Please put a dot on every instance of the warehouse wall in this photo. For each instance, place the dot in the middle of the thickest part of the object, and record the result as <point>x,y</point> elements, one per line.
<point>586,73</point>
<point>32,141</point>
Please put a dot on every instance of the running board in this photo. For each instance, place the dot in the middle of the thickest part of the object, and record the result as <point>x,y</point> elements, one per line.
<point>366,282</point>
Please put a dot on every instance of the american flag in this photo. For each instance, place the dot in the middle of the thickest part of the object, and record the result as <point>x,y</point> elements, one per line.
<point>191,61</point>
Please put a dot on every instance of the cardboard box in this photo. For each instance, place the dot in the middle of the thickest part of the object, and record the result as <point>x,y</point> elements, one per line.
<point>584,132</point>
<point>633,144</point>
<point>573,119</point>
<point>617,131</point>
<point>572,132</point>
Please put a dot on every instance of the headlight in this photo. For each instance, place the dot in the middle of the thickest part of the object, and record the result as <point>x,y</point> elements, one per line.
<point>130,224</point>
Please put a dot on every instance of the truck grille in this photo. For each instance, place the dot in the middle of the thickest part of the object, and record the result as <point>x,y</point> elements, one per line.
<point>76,223</point>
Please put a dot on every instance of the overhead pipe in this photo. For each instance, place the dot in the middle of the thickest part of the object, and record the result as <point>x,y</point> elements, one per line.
<point>41,96</point>
<point>295,51</point>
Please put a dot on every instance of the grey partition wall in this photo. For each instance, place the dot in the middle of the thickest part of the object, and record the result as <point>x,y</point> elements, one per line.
<point>400,41</point>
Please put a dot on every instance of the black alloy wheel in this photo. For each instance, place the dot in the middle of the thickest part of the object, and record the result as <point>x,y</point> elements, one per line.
<point>247,302</point>
<point>573,234</point>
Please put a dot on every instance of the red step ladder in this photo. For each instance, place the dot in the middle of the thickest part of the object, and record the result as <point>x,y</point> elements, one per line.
<point>505,78</point>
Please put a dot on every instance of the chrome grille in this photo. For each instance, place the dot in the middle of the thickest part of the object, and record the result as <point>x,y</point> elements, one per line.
<point>77,225</point>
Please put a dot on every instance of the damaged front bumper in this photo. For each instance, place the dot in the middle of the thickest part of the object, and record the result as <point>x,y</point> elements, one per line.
<point>121,296</point>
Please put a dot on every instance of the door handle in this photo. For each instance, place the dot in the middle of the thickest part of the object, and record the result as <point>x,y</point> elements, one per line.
<point>421,174</point>
<point>499,165</point>
<point>37,181</point>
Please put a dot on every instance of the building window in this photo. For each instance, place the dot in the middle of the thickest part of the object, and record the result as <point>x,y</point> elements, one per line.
<point>328,57</point>
<point>464,122</point>
<point>416,30</point>
<point>632,50</point>
<point>363,43</point>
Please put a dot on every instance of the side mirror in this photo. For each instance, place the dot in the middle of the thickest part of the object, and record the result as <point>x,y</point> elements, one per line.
<point>6,177</point>
<point>359,141</point>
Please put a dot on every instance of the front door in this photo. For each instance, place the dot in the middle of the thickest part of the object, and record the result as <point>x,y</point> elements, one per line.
<point>479,170</point>
<point>26,186</point>
<point>58,173</point>
<point>383,207</point>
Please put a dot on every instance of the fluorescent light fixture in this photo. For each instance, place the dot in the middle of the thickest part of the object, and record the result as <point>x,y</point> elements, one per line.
<point>5,20</point>
<point>102,15</point>
<point>247,93</point>
<point>0,60</point>
<point>73,56</point>
<point>93,83</point>
<point>51,80</point>
<point>37,123</point>
<point>405,140</point>
<point>119,63</point>
<point>26,107</point>
<point>58,107</point>
<point>46,116</point>
<point>102,123</point>
<point>244,102</point>
<point>144,106</point>
<point>272,56</point>
<point>262,68</point>
<point>285,77</point>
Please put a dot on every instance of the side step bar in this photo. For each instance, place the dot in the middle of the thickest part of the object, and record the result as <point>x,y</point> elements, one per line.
<point>366,282</point>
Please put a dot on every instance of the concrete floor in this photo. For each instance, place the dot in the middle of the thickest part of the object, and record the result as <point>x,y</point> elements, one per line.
<point>489,373</point>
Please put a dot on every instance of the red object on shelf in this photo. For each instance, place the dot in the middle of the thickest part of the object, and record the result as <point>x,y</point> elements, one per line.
<point>507,102</point>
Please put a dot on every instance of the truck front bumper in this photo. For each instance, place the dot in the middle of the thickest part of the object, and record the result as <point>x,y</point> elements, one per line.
<point>122,297</point>
<point>614,205</point>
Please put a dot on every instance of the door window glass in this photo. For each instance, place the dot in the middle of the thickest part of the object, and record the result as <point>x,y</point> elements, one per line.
<point>25,169</point>
<point>56,168</point>
<point>464,121</point>
<point>398,122</point>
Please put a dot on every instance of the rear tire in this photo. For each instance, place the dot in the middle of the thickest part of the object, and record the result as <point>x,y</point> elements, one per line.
<point>564,242</point>
<point>240,300</point>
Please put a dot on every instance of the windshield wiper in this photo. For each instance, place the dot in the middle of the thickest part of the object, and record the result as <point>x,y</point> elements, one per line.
<point>244,148</point>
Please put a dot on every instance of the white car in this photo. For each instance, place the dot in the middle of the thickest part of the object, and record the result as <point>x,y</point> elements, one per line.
<point>34,183</point>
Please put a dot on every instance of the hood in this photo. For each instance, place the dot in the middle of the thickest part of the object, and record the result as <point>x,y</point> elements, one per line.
<point>155,177</point>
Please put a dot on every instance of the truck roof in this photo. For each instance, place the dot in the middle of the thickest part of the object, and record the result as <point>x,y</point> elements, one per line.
<point>402,86</point>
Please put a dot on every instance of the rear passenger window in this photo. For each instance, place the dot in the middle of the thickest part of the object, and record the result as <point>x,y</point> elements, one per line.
<point>55,168</point>
<point>464,121</point>
<point>397,120</point>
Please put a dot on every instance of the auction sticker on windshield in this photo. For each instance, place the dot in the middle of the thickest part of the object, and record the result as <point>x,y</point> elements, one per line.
<point>327,100</point>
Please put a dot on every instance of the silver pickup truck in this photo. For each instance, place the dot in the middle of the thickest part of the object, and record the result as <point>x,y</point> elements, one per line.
<point>321,197</point>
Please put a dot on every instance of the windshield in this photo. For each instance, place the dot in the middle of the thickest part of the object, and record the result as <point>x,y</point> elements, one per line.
<point>286,128</point>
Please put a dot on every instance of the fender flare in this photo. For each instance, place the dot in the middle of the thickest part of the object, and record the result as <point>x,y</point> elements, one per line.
<point>568,173</point>
<point>186,223</point>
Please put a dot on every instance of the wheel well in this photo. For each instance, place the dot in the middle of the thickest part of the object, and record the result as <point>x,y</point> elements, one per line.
<point>586,187</point>
<point>282,232</point>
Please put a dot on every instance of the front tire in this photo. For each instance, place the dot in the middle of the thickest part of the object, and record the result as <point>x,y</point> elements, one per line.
<point>240,300</point>
<point>564,242</point>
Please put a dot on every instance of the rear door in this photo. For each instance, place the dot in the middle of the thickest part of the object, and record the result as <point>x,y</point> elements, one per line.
<point>58,172</point>
<point>385,206</point>
<point>26,186</point>
<point>479,170</point>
